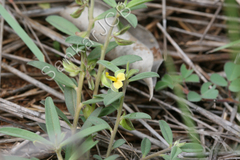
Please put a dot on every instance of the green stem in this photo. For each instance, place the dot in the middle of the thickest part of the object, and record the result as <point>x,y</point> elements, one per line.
<point>103,51</point>
<point>76,117</point>
<point>90,18</point>
<point>113,134</point>
<point>59,155</point>
<point>157,153</point>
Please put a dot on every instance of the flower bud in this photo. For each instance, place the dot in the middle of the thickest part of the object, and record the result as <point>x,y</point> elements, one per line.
<point>122,42</point>
<point>71,68</point>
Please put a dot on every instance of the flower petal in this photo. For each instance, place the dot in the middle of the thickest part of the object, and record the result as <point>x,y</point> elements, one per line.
<point>118,84</point>
<point>111,77</point>
<point>121,76</point>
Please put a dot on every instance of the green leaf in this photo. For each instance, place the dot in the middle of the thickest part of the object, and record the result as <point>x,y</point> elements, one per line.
<point>52,120</point>
<point>232,70</point>
<point>235,85</point>
<point>127,124</point>
<point>168,79</point>
<point>62,24</point>
<point>57,45</point>
<point>131,18</point>
<point>84,133</point>
<point>98,121</point>
<point>161,85</point>
<point>166,157</point>
<point>118,143</point>
<point>21,33</point>
<point>96,52</point>
<point>134,3</point>
<point>141,6</point>
<point>111,97</point>
<point>107,110</point>
<point>234,43</point>
<point>122,42</point>
<point>205,87</point>
<point>73,50</point>
<point>123,30</point>
<point>83,148</point>
<point>93,101</point>
<point>68,151</point>
<point>108,65</point>
<point>185,72</point>
<point>111,3</point>
<point>218,80</point>
<point>123,60</point>
<point>107,14</point>
<point>51,71</point>
<point>78,12</point>
<point>143,75</point>
<point>166,131</point>
<point>97,157</point>
<point>137,115</point>
<point>70,99</point>
<point>192,147</point>
<point>193,96</point>
<point>95,113</point>
<point>208,93</point>
<point>81,41</point>
<point>132,72</point>
<point>21,133</point>
<point>112,157</point>
<point>63,116</point>
<point>145,146</point>
<point>192,78</point>
<point>175,152</point>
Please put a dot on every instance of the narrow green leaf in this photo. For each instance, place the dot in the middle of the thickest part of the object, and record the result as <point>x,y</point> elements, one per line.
<point>137,115</point>
<point>52,72</point>
<point>192,147</point>
<point>232,70</point>
<point>87,123</point>
<point>111,97</point>
<point>141,6</point>
<point>131,18</point>
<point>107,14</point>
<point>175,152</point>
<point>92,101</point>
<point>143,75</point>
<point>166,131</point>
<point>72,50</point>
<point>112,157</point>
<point>127,124</point>
<point>225,46</point>
<point>83,148</point>
<point>123,60</point>
<point>145,146</point>
<point>192,78</point>
<point>134,3</point>
<point>68,151</point>
<point>52,120</point>
<point>81,41</point>
<point>161,85</point>
<point>70,99</point>
<point>218,80</point>
<point>107,110</point>
<point>235,85</point>
<point>63,116</point>
<point>21,133</point>
<point>96,52</point>
<point>98,121</point>
<point>118,143</point>
<point>108,65</point>
<point>168,79</point>
<point>97,157</point>
<point>193,96</point>
<point>166,157</point>
<point>21,33</point>
<point>132,72</point>
<point>84,133</point>
<point>62,24</point>
<point>111,3</point>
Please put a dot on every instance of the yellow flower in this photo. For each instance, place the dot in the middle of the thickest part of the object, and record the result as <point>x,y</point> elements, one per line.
<point>117,81</point>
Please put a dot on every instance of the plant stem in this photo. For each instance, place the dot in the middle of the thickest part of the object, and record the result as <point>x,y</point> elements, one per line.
<point>113,134</point>
<point>103,51</point>
<point>157,153</point>
<point>90,18</point>
<point>79,105</point>
<point>59,155</point>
